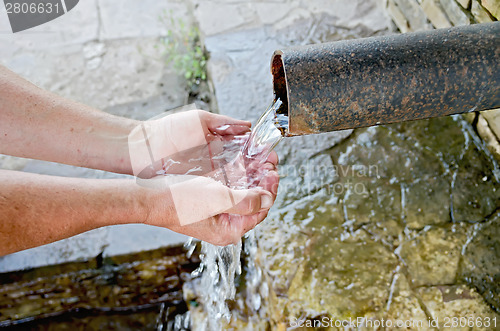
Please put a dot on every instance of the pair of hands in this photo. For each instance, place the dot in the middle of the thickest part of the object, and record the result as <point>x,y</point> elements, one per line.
<point>200,183</point>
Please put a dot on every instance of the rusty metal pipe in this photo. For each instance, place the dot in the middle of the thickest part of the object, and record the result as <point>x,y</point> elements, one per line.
<point>357,83</point>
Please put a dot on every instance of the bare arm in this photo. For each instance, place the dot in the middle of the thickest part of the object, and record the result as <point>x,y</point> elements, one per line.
<point>38,124</point>
<point>37,209</point>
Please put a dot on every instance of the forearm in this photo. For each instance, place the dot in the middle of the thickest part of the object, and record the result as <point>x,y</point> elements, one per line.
<point>39,124</point>
<point>37,209</point>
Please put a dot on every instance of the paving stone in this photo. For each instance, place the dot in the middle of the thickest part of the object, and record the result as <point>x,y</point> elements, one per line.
<point>215,17</point>
<point>78,248</point>
<point>78,26</point>
<point>272,12</point>
<point>117,23</point>
<point>134,238</point>
<point>435,13</point>
<point>455,12</point>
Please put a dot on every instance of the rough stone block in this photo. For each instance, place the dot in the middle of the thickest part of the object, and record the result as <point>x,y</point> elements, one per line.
<point>433,256</point>
<point>455,302</point>
<point>493,118</point>
<point>464,3</point>
<point>427,202</point>
<point>414,14</point>
<point>475,193</point>
<point>435,13</point>
<point>480,14</point>
<point>480,266</point>
<point>342,278</point>
<point>485,131</point>
<point>455,12</point>
<point>493,6</point>
<point>403,304</point>
<point>398,17</point>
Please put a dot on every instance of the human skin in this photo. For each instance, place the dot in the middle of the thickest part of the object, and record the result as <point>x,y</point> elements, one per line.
<point>37,209</point>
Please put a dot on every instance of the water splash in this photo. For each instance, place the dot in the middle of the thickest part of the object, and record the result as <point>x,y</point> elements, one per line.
<point>267,133</point>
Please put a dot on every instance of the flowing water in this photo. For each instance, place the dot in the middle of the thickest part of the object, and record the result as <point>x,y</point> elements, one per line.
<point>221,265</point>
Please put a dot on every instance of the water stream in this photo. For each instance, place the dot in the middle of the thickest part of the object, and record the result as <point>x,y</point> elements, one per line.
<point>221,265</point>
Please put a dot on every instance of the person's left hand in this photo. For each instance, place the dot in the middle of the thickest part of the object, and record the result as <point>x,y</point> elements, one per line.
<point>178,206</point>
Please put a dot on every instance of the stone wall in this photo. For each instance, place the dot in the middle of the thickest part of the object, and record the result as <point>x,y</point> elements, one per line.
<point>418,15</point>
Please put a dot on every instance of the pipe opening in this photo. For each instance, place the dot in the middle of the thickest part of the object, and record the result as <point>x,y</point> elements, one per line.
<point>279,84</point>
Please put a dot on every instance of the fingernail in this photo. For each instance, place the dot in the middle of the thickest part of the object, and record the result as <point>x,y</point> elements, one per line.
<point>268,166</point>
<point>266,201</point>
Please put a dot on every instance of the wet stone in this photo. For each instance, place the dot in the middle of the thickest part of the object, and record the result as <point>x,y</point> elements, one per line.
<point>476,193</point>
<point>342,277</point>
<point>433,256</point>
<point>374,249</point>
<point>305,178</point>
<point>436,191</point>
<point>481,261</point>
<point>403,304</point>
<point>448,304</point>
<point>293,226</point>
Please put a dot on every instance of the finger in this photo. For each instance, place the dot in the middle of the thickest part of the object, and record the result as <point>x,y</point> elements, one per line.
<point>231,129</point>
<point>273,158</point>
<point>250,202</point>
<point>242,224</point>
<point>270,182</point>
<point>226,125</point>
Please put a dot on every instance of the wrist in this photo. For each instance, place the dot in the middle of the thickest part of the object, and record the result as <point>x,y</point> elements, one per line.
<point>158,206</point>
<point>134,204</point>
<point>114,154</point>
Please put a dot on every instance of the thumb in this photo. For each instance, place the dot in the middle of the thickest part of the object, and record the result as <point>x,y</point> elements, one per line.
<point>250,202</point>
<point>197,198</point>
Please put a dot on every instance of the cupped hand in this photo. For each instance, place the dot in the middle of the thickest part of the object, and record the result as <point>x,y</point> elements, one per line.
<point>230,213</point>
<point>190,142</point>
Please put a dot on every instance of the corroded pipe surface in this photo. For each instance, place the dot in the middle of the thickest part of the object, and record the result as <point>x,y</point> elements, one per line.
<point>364,82</point>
